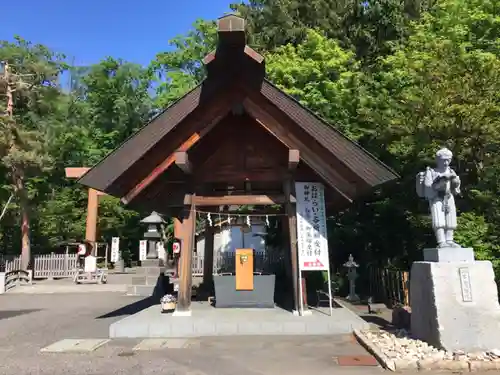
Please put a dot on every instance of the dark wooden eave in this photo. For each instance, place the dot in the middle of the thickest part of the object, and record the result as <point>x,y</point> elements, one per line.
<point>355,157</point>
<point>103,174</point>
<point>235,78</point>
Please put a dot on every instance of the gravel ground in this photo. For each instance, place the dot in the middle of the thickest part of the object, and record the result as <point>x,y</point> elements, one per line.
<point>31,322</point>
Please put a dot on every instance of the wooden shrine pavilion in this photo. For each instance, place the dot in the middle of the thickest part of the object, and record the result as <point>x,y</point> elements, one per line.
<point>235,139</point>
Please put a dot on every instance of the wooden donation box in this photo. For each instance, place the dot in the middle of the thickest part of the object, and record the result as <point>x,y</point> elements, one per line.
<point>244,269</point>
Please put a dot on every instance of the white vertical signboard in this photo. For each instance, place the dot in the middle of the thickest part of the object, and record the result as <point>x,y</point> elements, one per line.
<point>312,240</point>
<point>115,249</point>
<point>311,227</point>
<point>162,254</point>
<point>143,249</point>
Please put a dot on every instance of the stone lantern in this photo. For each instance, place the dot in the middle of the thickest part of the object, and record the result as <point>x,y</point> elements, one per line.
<point>153,235</point>
<point>352,275</point>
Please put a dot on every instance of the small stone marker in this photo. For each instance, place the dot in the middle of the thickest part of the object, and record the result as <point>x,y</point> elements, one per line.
<point>465,284</point>
<point>75,346</point>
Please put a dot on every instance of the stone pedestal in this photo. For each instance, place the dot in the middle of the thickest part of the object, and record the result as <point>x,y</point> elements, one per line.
<point>149,279</point>
<point>120,266</point>
<point>449,254</point>
<point>454,303</point>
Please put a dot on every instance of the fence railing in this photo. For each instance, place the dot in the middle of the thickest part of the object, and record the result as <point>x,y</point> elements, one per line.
<point>9,263</point>
<point>44,265</point>
<point>54,265</point>
<point>390,286</point>
<point>64,265</point>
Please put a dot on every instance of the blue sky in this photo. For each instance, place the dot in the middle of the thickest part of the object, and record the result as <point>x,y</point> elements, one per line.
<point>91,30</point>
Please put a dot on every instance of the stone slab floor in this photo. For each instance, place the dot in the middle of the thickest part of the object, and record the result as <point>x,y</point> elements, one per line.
<point>55,334</point>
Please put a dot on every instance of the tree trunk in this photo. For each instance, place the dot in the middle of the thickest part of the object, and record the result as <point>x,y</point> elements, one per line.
<point>25,220</point>
<point>18,177</point>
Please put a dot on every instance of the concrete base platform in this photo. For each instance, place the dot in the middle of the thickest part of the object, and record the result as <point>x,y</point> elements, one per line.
<point>207,321</point>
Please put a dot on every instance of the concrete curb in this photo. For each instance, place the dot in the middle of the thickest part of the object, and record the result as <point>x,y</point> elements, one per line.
<point>483,366</point>
<point>341,304</point>
<point>372,348</point>
<point>443,365</point>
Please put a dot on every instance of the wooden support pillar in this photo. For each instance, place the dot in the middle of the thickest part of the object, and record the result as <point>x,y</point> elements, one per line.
<point>186,262</point>
<point>291,212</point>
<point>304,291</point>
<point>92,206</point>
<point>208,257</point>
<point>91,225</point>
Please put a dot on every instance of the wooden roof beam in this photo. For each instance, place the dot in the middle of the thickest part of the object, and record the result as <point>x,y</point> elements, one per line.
<point>293,159</point>
<point>75,172</point>
<point>182,161</point>
<point>162,167</point>
<point>165,164</point>
<point>268,121</point>
<point>249,51</point>
<point>231,32</point>
<point>228,200</point>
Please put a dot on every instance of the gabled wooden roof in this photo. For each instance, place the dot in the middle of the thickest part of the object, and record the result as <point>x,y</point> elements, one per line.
<point>235,77</point>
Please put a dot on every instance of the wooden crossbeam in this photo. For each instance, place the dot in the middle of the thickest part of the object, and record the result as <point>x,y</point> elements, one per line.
<point>165,164</point>
<point>182,161</point>
<point>293,159</point>
<point>229,200</point>
<point>92,203</point>
<point>77,172</point>
<point>268,121</point>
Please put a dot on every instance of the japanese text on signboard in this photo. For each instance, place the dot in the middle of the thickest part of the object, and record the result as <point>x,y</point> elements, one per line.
<point>311,226</point>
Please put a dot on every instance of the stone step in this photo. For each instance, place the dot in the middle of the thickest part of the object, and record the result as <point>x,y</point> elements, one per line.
<point>150,271</point>
<point>152,263</point>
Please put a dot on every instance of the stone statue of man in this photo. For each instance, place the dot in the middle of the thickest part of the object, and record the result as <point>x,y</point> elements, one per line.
<point>439,185</point>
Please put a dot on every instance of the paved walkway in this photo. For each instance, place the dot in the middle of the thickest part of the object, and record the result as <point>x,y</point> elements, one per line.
<point>53,288</point>
<point>29,323</point>
<point>116,283</point>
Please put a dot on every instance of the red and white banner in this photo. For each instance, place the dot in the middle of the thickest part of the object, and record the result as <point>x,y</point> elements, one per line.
<point>176,247</point>
<point>312,241</point>
<point>143,249</point>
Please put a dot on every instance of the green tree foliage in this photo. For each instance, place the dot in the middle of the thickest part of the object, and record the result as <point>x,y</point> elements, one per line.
<point>321,75</point>
<point>55,129</point>
<point>440,87</point>
<point>29,88</point>
<point>401,77</point>
<point>117,102</point>
<point>181,70</point>
<point>367,27</point>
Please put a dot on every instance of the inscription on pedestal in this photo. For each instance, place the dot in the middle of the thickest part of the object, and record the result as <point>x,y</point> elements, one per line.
<point>465,284</point>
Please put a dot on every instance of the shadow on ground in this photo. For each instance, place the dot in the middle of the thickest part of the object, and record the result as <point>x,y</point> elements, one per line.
<point>377,320</point>
<point>131,308</point>
<point>5,314</point>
